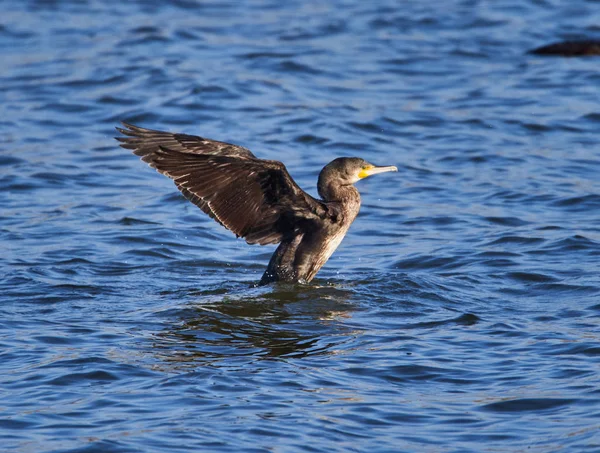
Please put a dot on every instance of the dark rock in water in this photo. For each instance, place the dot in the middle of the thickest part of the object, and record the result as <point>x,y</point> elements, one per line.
<point>581,48</point>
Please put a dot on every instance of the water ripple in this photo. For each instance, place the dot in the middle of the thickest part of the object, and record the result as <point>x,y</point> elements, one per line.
<point>461,310</point>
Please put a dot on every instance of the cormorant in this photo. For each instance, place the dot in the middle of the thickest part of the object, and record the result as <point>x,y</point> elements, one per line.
<point>258,199</point>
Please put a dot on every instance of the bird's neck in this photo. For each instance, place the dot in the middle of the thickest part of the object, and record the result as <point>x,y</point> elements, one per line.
<point>336,192</point>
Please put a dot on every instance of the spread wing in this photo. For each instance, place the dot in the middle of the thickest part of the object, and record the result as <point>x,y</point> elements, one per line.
<point>256,199</point>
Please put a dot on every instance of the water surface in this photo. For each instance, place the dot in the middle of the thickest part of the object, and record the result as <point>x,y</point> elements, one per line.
<point>461,312</point>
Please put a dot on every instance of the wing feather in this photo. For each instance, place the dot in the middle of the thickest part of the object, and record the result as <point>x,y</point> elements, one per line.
<point>145,142</point>
<point>255,199</point>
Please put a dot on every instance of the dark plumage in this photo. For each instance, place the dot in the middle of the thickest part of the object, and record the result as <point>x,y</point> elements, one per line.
<point>257,199</point>
<point>580,48</point>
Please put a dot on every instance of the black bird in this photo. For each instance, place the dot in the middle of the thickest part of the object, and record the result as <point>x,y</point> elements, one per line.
<point>258,199</point>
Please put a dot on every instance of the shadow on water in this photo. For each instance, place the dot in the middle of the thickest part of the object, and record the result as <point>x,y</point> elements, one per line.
<point>281,321</point>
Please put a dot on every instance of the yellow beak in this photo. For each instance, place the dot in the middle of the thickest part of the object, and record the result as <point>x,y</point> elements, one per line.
<point>373,170</point>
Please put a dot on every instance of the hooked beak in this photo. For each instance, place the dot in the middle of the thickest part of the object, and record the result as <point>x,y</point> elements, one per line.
<point>373,170</point>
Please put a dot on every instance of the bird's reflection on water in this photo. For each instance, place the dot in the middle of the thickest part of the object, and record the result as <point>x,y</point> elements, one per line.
<point>283,321</point>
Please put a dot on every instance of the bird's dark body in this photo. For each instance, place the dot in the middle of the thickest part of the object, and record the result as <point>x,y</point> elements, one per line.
<point>300,257</point>
<point>257,199</point>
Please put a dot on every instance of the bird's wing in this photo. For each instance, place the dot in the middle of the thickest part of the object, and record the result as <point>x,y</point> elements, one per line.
<point>147,141</point>
<point>256,199</point>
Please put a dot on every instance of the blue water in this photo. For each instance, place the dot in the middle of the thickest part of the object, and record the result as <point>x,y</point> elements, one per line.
<point>460,314</point>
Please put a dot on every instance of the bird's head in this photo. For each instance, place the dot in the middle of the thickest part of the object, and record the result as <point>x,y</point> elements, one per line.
<point>348,170</point>
<point>345,171</point>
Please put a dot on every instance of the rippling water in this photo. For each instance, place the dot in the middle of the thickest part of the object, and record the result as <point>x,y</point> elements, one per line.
<point>460,314</point>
